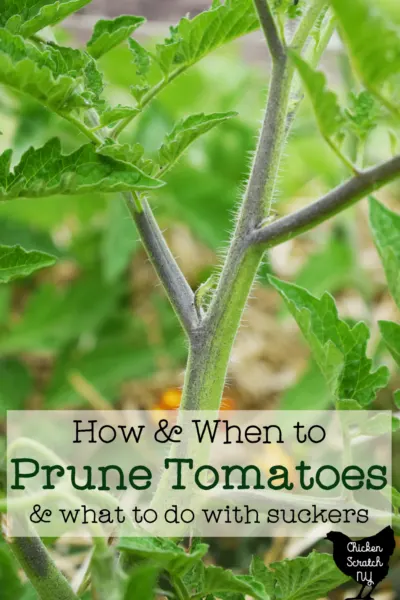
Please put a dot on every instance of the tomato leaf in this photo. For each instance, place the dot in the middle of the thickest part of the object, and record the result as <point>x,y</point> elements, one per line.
<point>110,33</point>
<point>337,348</point>
<point>325,102</point>
<point>391,336</point>
<point>15,262</point>
<point>163,553</point>
<point>306,578</point>
<point>348,405</point>
<point>219,582</point>
<point>26,17</point>
<point>263,575</point>
<point>363,114</point>
<point>385,225</point>
<point>46,171</point>
<point>133,155</point>
<point>124,152</point>
<point>185,133</point>
<point>373,40</point>
<point>193,38</point>
<point>54,76</point>
<point>112,115</point>
<point>141,58</point>
<point>141,583</point>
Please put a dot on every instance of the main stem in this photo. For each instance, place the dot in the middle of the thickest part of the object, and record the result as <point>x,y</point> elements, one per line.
<point>212,344</point>
<point>212,341</point>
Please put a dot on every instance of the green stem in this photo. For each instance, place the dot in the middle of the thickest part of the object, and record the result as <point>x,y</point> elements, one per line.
<point>211,342</point>
<point>168,270</point>
<point>341,156</point>
<point>82,128</point>
<point>62,495</point>
<point>180,588</point>
<point>175,284</point>
<point>211,345</point>
<point>326,34</point>
<point>267,22</point>
<point>210,351</point>
<point>360,158</point>
<point>306,24</point>
<point>48,581</point>
<point>394,110</point>
<point>328,206</point>
<point>313,55</point>
<point>151,94</point>
<point>209,355</point>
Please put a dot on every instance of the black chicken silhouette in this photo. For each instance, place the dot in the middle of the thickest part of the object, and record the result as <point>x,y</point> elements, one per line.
<point>366,560</point>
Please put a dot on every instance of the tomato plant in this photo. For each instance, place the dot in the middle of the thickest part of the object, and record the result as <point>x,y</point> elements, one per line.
<point>68,84</point>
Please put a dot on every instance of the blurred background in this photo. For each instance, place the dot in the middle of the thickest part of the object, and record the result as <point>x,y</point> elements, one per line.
<point>97,331</point>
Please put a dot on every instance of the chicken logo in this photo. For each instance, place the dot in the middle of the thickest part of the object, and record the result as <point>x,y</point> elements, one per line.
<point>366,560</point>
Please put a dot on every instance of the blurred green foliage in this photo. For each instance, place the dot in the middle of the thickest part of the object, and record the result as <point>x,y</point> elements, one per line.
<point>99,311</point>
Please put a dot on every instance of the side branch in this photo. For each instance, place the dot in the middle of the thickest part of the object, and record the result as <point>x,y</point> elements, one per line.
<point>179,291</point>
<point>329,205</point>
<point>270,29</point>
<point>173,280</point>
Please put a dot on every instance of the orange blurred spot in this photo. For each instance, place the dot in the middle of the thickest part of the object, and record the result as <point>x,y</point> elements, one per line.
<point>171,399</point>
<point>228,404</point>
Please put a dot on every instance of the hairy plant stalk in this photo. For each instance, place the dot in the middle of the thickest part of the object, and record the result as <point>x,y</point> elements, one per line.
<point>211,344</point>
<point>164,263</point>
<point>307,23</point>
<point>31,553</point>
<point>175,284</point>
<point>146,100</point>
<point>41,570</point>
<point>270,29</point>
<point>331,204</point>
